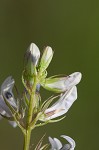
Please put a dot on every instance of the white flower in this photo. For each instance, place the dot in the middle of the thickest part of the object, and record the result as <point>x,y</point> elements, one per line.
<point>33,53</point>
<point>61,84</point>
<point>57,145</point>
<point>62,105</point>
<point>46,58</point>
<point>6,92</point>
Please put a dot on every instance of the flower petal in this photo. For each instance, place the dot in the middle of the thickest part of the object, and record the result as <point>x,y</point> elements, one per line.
<point>4,107</point>
<point>52,142</point>
<point>55,144</point>
<point>66,147</point>
<point>33,53</point>
<point>62,105</point>
<point>6,91</point>
<point>58,143</point>
<point>13,123</point>
<point>73,79</point>
<point>70,140</point>
<point>7,84</point>
<point>61,84</point>
<point>2,112</point>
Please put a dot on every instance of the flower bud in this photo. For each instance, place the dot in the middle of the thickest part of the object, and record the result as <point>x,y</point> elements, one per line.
<point>34,53</point>
<point>32,57</point>
<point>46,58</point>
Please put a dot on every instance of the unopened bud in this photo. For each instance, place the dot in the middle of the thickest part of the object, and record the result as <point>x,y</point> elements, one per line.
<point>34,53</point>
<point>46,58</point>
<point>32,57</point>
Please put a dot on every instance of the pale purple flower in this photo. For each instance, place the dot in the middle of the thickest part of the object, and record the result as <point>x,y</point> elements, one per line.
<point>6,92</point>
<point>71,142</point>
<point>57,145</point>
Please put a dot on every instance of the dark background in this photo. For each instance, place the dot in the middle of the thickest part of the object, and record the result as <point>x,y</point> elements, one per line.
<point>71,28</point>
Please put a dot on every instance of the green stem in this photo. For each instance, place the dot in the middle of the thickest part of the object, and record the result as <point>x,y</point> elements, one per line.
<point>27,137</point>
<point>32,102</point>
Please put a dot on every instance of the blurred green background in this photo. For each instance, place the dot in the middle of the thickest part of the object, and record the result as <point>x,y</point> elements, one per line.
<point>71,28</point>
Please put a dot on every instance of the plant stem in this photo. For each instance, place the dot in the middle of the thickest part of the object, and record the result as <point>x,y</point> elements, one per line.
<point>27,137</point>
<point>32,102</point>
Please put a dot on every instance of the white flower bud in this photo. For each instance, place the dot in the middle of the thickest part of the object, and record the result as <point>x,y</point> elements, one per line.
<point>31,59</point>
<point>33,53</point>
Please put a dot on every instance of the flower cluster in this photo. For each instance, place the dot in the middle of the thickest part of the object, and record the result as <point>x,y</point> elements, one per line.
<point>29,110</point>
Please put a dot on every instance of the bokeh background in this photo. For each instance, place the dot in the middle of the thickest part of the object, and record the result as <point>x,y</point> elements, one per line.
<point>71,28</point>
